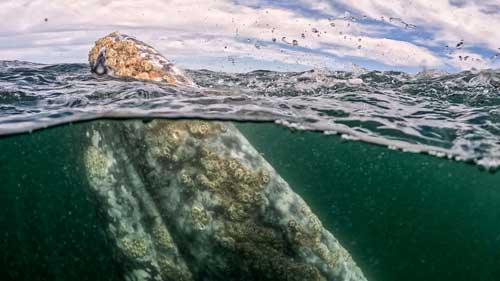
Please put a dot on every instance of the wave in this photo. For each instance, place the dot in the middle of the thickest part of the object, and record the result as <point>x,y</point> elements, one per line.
<point>449,115</point>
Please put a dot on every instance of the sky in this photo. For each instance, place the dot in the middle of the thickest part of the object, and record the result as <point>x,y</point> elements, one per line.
<point>240,36</point>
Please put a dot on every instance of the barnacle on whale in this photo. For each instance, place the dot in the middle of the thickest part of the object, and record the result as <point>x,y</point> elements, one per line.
<point>200,217</point>
<point>122,56</point>
<point>170,270</point>
<point>96,163</point>
<point>186,179</point>
<point>239,190</point>
<point>135,248</point>
<point>165,138</point>
<point>161,236</point>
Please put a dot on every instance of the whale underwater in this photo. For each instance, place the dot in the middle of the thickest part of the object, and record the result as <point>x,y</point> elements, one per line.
<point>194,200</point>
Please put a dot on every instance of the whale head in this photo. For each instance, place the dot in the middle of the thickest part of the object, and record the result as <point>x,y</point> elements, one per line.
<point>120,55</point>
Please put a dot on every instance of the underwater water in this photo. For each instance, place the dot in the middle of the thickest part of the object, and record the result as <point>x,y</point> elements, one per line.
<point>401,215</point>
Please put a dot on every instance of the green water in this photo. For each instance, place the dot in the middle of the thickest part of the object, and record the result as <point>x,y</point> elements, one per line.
<point>49,226</point>
<point>402,216</point>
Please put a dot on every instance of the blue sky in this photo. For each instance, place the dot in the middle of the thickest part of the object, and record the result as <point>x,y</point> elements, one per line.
<point>259,34</point>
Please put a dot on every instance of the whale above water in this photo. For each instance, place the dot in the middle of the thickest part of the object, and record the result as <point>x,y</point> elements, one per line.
<point>194,200</point>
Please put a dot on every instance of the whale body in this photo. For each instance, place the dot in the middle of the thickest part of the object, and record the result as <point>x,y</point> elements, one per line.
<point>194,200</point>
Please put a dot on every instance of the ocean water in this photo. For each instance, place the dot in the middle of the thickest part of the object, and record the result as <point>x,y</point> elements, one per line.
<point>400,168</point>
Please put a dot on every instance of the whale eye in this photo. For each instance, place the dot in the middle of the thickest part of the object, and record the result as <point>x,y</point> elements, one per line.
<point>100,70</point>
<point>100,65</point>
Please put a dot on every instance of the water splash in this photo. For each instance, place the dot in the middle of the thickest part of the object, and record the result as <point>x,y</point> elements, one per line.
<point>452,115</point>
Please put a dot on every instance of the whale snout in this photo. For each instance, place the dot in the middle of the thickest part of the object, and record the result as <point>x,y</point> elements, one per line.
<point>120,55</point>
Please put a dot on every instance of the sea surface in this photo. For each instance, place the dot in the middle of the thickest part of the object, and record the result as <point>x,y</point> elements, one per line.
<point>401,168</point>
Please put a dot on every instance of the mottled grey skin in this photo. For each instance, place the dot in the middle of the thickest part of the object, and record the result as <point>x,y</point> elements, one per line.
<point>193,200</point>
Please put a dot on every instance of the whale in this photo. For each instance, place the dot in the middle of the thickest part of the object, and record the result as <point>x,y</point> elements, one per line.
<point>193,199</point>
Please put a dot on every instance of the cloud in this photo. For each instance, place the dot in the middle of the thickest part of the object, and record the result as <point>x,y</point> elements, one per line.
<point>389,51</point>
<point>449,20</point>
<point>64,30</point>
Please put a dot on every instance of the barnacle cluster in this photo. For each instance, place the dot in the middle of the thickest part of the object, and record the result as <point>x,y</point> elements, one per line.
<point>124,57</point>
<point>239,187</point>
<point>167,137</point>
<point>185,179</point>
<point>135,248</point>
<point>259,250</point>
<point>330,257</point>
<point>162,237</point>
<point>230,179</point>
<point>301,236</point>
<point>200,217</point>
<point>308,234</point>
<point>203,129</point>
<point>96,163</point>
<point>265,252</point>
<point>171,271</point>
